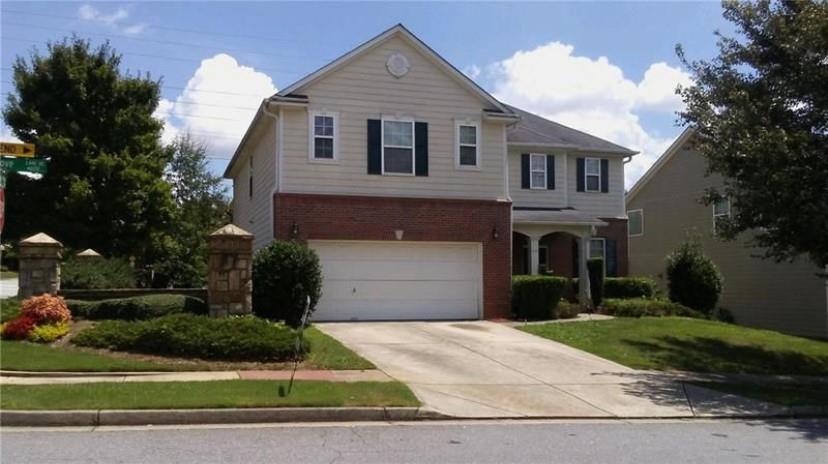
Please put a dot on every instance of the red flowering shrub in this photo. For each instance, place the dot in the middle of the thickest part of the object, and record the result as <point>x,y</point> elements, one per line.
<point>18,328</point>
<point>45,309</point>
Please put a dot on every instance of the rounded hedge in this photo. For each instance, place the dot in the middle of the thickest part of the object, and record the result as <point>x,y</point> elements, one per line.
<point>285,274</point>
<point>693,279</point>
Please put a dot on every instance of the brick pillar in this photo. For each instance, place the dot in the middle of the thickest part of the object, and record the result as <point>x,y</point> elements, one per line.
<point>230,271</point>
<point>39,265</point>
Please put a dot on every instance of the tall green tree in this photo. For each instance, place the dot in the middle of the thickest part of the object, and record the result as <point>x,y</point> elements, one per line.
<point>201,207</point>
<point>105,187</point>
<point>760,109</point>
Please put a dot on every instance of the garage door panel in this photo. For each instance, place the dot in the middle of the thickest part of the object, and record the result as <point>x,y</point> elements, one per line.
<point>396,270</point>
<point>395,252</point>
<point>400,290</point>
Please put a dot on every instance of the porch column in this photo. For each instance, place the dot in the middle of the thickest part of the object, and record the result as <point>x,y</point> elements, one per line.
<point>584,293</point>
<point>534,254</point>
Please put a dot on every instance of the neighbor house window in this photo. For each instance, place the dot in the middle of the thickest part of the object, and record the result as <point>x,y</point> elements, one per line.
<point>468,143</point>
<point>537,166</point>
<point>323,136</point>
<point>398,147</point>
<point>597,248</point>
<point>721,210</point>
<point>592,175</point>
<point>635,222</point>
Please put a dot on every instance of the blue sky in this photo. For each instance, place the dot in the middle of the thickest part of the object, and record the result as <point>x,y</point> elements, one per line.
<point>607,68</point>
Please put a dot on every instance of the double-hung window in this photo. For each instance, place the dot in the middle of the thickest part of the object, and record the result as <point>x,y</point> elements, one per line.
<point>468,145</point>
<point>721,211</point>
<point>323,136</point>
<point>592,174</point>
<point>597,248</point>
<point>537,171</point>
<point>635,222</point>
<point>398,147</point>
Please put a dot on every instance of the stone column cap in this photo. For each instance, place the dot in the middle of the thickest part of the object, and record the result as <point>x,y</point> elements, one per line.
<point>233,230</point>
<point>40,239</point>
<point>89,253</point>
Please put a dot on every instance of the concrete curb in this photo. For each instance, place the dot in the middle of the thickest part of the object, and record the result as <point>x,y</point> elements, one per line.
<point>81,374</point>
<point>106,417</point>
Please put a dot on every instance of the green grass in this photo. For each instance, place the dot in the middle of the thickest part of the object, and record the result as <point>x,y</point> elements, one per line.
<point>786,395</point>
<point>8,274</point>
<point>665,343</point>
<point>328,353</point>
<point>9,308</point>
<point>213,394</point>
<point>25,356</point>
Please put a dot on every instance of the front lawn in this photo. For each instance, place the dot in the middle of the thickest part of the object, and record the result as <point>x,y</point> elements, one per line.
<point>784,394</point>
<point>327,353</point>
<point>212,394</point>
<point>25,356</point>
<point>665,343</point>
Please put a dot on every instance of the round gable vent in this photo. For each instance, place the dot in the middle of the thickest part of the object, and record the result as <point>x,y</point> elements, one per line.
<point>397,65</point>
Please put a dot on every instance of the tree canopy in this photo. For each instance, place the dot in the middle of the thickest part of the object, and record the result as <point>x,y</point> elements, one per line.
<point>760,110</point>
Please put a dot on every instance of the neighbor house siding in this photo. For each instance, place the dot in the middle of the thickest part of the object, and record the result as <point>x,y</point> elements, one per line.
<point>254,214</point>
<point>783,296</point>
<point>364,90</point>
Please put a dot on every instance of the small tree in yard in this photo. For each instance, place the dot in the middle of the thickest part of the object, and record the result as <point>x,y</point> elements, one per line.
<point>285,274</point>
<point>693,279</point>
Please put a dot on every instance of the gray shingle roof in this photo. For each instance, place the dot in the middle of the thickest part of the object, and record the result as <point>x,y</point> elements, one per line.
<point>535,130</point>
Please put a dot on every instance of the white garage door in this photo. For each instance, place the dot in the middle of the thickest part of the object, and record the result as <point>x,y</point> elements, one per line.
<point>398,280</point>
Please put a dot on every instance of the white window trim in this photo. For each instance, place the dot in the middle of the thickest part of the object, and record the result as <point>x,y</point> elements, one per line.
<point>603,248</point>
<point>413,147</point>
<point>587,175</point>
<point>718,215</point>
<point>457,144</point>
<point>641,211</point>
<point>312,137</point>
<point>545,171</point>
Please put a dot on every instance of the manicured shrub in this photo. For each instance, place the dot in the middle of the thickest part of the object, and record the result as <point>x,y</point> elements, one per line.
<point>595,266</point>
<point>48,333</point>
<point>96,273</point>
<point>537,297</point>
<point>18,328</point>
<point>723,315</point>
<point>629,287</point>
<point>640,307</point>
<point>45,309</point>
<point>693,279</point>
<point>245,338</point>
<point>137,307</point>
<point>285,274</point>
<point>569,310</point>
<point>9,308</point>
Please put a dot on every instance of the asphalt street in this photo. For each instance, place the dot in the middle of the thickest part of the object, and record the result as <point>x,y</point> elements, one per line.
<point>635,442</point>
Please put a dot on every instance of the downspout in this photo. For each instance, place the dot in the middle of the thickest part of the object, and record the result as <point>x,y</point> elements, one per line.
<point>625,160</point>
<point>278,168</point>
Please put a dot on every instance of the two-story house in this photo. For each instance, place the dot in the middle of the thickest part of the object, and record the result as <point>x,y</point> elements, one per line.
<point>420,191</point>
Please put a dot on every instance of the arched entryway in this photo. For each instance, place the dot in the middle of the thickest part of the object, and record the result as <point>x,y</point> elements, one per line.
<point>557,254</point>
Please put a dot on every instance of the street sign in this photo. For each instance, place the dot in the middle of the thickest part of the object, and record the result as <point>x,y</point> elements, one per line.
<point>25,150</point>
<point>37,166</point>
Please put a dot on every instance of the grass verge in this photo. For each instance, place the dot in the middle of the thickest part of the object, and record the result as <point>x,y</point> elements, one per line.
<point>786,395</point>
<point>327,353</point>
<point>665,343</point>
<point>211,394</point>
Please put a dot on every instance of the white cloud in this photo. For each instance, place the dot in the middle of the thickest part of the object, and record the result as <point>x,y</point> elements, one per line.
<point>472,71</point>
<point>217,104</point>
<point>115,20</point>
<point>592,95</point>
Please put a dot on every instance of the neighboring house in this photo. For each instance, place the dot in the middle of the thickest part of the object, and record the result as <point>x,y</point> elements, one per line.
<point>664,208</point>
<point>412,183</point>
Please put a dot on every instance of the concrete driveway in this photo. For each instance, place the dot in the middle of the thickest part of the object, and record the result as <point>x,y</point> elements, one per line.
<point>486,369</point>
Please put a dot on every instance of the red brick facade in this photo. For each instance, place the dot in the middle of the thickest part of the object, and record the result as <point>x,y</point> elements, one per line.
<point>335,217</point>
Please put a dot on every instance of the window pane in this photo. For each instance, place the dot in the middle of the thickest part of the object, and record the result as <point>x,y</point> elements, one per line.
<point>323,125</point>
<point>323,148</point>
<point>721,207</point>
<point>399,160</point>
<point>538,163</point>
<point>468,156</point>
<point>596,248</point>
<point>634,227</point>
<point>593,166</point>
<point>538,179</point>
<point>468,135</point>
<point>399,133</point>
<point>593,183</point>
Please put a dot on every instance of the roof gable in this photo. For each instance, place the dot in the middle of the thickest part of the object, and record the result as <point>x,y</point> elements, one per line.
<point>662,160</point>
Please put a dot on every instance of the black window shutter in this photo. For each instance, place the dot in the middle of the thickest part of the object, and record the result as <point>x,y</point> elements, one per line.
<point>374,146</point>
<point>612,258</point>
<point>524,171</point>
<point>550,172</point>
<point>579,173</point>
<point>605,175</point>
<point>421,148</point>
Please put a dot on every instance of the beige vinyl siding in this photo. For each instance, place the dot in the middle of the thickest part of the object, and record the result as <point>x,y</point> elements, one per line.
<point>537,198</point>
<point>254,214</point>
<point>598,204</point>
<point>365,90</point>
<point>789,297</point>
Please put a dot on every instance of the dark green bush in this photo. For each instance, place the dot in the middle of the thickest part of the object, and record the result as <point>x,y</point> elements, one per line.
<point>629,287</point>
<point>639,307</point>
<point>245,338</point>
<point>568,310</point>
<point>693,279</point>
<point>96,273</point>
<point>285,274</point>
<point>537,297</point>
<point>136,308</point>
<point>595,266</point>
<point>723,315</point>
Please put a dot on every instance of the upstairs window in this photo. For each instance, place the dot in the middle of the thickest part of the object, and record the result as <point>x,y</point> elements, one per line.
<point>635,222</point>
<point>468,135</point>
<point>592,175</point>
<point>323,136</point>
<point>721,211</point>
<point>537,173</point>
<point>597,248</point>
<point>398,147</point>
